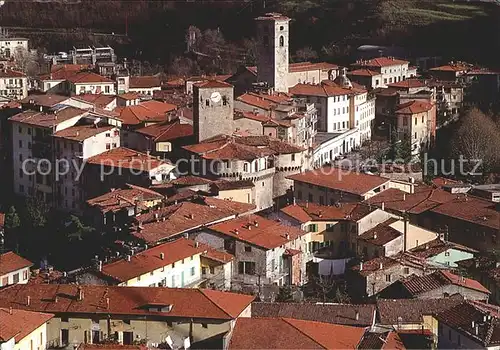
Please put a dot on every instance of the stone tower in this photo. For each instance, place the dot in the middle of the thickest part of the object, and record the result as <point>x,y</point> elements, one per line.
<point>213,109</point>
<point>272,42</point>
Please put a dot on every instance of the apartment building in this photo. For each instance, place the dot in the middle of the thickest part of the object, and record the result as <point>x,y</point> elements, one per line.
<point>91,314</point>
<point>265,251</point>
<point>20,329</point>
<point>9,46</point>
<point>88,83</point>
<point>13,84</point>
<point>14,269</point>
<point>144,85</point>
<point>390,69</point>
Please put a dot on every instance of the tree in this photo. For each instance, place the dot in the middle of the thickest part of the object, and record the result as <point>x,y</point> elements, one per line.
<point>77,229</point>
<point>284,294</point>
<point>36,212</point>
<point>12,221</point>
<point>477,139</point>
<point>305,54</point>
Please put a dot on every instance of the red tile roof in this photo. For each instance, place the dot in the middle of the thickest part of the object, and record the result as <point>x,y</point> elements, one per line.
<point>413,107</point>
<point>144,82</point>
<point>98,100</point>
<point>69,67</point>
<point>363,72</point>
<point>308,66</point>
<point>209,84</point>
<point>18,324</point>
<point>137,301</point>
<point>48,120</point>
<point>382,62</point>
<point>471,209</point>
<point>82,132</point>
<point>442,181</point>
<point>381,234</point>
<point>438,246</point>
<point>258,231</point>
<point>416,285</point>
<point>186,216</point>
<point>215,255</point>
<point>286,333</point>
<point>124,198</point>
<point>152,259</point>
<point>338,179</point>
<point>129,96</point>
<point>88,78</point>
<point>305,212</point>
<point>149,111</point>
<point>264,101</point>
<point>273,16</point>
<point>190,180</point>
<point>8,73</point>
<point>408,84</point>
<point>424,198</point>
<point>223,185</point>
<point>324,89</point>
<point>166,131</point>
<point>10,262</point>
<point>241,147</point>
<point>126,158</point>
<point>450,68</point>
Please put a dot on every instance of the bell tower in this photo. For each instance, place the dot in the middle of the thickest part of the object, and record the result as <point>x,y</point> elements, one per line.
<point>273,55</point>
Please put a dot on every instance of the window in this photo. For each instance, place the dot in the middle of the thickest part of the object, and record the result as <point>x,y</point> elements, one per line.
<point>281,27</point>
<point>313,228</point>
<point>106,89</point>
<point>246,268</point>
<point>282,41</point>
<point>449,334</point>
<point>321,200</point>
<point>293,157</point>
<point>446,253</point>
<point>138,278</point>
<point>422,119</point>
<point>21,188</point>
<point>151,273</point>
<point>415,135</point>
<point>245,167</point>
<point>416,121</point>
<point>25,275</point>
<point>207,103</point>
<point>108,134</point>
<point>310,197</point>
<point>248,248</point>
<point>108,146</point>
<point>21,173</point>
<point>385,80</point>
<point>193,272</point>
<point>299,195</point>
<point>330,227</point>
<point>20,144</point>
<point>405,122</point>
<point>406,270</point>
<point>20,130</point>
<point>204,325</point>
<point>388,278</point>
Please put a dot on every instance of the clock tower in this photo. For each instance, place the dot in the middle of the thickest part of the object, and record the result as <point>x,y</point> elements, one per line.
<point>273,56</point>
<point>212,109</point>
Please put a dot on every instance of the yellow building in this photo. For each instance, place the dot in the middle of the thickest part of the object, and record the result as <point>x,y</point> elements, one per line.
<point>23,330</point>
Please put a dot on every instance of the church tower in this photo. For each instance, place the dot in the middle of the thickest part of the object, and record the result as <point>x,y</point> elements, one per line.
<point>213,109</point>
<point>272,43</point>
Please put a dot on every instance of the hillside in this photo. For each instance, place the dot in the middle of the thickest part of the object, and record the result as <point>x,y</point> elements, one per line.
<point>333,28</point>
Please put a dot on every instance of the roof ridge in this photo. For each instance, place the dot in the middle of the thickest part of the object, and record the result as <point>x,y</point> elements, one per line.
<point>213,302</point>
<point>286,320</point>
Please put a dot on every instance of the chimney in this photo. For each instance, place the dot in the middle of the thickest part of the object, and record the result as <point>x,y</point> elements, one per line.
<point>249,227</point>
<point>374,236</point>
<point>383,205</point>
<point>287,236</point>
<point>128,257</point>
<point>361,266</point>
<point>236,232</point>
<point>320,214</point>
<point>55,299</point>
<point>107,303</point>
<point>162,256</point>
<point>404,196</point>
<point>28,301</point>
<point>99,265</point>
<point>196,244</point>
<point>473,324</point>
<point>405,232</point>
<point>381,266</point>
<point>357,315</point>
<point>476,329</point>
<point>307,204</point>
<point>256,223</point>
<point>80,294</point>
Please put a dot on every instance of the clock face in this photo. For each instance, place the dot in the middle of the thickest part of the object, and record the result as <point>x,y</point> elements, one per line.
<point>215,97</point>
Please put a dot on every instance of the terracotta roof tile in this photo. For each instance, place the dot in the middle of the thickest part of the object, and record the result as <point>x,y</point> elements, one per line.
<point>82,132</point>
<point>149,111</point>
<point>151,259</point>
<point>126,158</point>
<point>287,333</point>
<point>183,217</point>
<point>190,303</point>
<point>8,73</point>
<point>166,131</point>
<point>144,82</point>
<point>329,313</point>
<point>10,262</point>
<point>129,96</point>
<point>337,179</point>
<point>324,89</point>
<point>88,77</point>
<point>436,247</point>
<point>223,185</point>
<point>305,212</point>
<point>126,197</point>
<point>363,72</point>
<point>18,324</point>
<point>209,84</point>
<point>381,234</point>
<point>214,254</point>
<point>408,84</point>
<point>414,107</point>
<point>258,231</point>
<point>450,68</point>
<point>308,66</point>
<point>382,62</point>
<point>48,120</point>
<point>190,180</point>
<point>98,100</point>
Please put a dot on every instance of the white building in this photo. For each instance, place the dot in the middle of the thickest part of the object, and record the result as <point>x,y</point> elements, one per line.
<point>89,83</point>
<point>14,269</point>
<point>173,264</point>
<point>391,70</point>
<point>144,85</point>
<point>13,84</point>
<point>22,330</point>
<point>9,46</point>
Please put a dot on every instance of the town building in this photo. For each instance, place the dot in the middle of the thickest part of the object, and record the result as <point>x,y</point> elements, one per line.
<point>392,70</point>
<point>92,314</point>
<point>438,284</point>
<point>265,161</point>
<point>330,185</point>
<point>9,46</point>
<point>449,72</point>
<point>20,329</point>
<point>470,324</point>
<point>444,254</point>
<point>14,269</point>
<point>144,85</point>
<point>240,191</point>
<point>88,83</point>
<point>486,270</point>
<point>106,102</point>
<point>13,84</point>
<point>185,217</point>
<point>266,252</point>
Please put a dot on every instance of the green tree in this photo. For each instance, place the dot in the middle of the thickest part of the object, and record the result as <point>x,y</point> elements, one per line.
<point>12,221</point>
<point>36,212</point>
<point>77,229</point>
<point>285,294</point>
